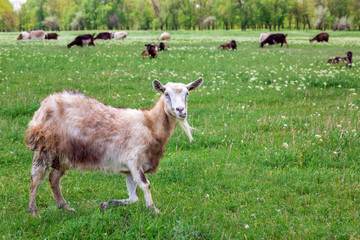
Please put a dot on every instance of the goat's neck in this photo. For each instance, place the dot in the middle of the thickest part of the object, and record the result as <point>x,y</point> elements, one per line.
<point>162,124</point>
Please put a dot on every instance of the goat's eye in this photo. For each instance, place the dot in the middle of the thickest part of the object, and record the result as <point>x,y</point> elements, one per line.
<point>166,95</point>
<point>186,95</point>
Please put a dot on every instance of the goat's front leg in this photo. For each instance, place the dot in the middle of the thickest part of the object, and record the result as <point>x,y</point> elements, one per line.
<point>140,178</point>
<point>133,195</point>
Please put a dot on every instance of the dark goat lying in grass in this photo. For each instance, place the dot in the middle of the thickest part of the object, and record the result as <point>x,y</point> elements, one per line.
<point>161,47</point>
<point>224,46</point>
<point>103,36</point>
<point>82,40</point>
<point>275,39</point>
<point>51,36</point>
<point>231,45</point>
<point>347,59</point>
<point>151,50</point>
<point>321,37</point>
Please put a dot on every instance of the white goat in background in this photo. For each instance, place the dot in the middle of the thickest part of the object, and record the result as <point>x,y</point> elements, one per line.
<point>70,130</point>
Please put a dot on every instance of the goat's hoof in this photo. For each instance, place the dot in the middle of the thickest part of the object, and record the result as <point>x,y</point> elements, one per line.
<point>35,214</point>
<point>69,209</point>
<point>104,206</point>
<point>153,209</point>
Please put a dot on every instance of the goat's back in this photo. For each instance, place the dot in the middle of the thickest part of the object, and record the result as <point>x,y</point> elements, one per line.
<point>85,131</point>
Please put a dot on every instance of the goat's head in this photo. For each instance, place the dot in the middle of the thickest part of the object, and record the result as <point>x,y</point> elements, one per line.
<point>175,99</point>
<point>20,37</point>
<point>150,47</point>
<point>349,56</point>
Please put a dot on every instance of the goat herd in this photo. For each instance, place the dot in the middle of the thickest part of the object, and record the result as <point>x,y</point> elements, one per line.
<point>272,39</point>
<point>70,130</point>
<point>152,48</point>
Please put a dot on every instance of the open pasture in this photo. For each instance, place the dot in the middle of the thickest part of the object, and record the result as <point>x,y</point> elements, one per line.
<point>275,154</point>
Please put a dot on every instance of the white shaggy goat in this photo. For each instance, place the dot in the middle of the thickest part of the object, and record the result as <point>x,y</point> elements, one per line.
<point>264,36</point>
<point>32,35</point>
<point>119,35</point>
<point>70,130</point>
<point>164,36</point>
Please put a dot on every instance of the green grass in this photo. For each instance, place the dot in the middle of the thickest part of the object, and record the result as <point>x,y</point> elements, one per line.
<point>275,154</point>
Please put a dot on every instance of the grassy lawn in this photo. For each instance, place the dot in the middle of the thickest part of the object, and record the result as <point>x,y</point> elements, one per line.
<point>275,154</point>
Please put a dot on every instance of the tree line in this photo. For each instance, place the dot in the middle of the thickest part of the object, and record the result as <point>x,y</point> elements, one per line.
<point>180,14</point>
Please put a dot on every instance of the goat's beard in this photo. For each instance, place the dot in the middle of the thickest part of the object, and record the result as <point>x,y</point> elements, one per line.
<point>185,125</point>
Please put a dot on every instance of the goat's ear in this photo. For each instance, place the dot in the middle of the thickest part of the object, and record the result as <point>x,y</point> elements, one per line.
<point>194,84</point>
<point>158,86</point>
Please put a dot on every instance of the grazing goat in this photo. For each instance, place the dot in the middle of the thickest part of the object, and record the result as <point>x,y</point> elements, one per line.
<point>347,59</point>
<point>321,37</point>
<point>103,36</point>
<point>82,40</point>
<point>51,36</point>
<point>230,45</point>
<point>70,130</point>
<point>32,35</point>
<point>164,36</point>
<point>263,37</point>
<point>151,49</point>
<point>274,39</point>
<point>119,35</point>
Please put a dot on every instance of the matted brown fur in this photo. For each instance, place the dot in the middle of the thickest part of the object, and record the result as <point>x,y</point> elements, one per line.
<point>94,134</point>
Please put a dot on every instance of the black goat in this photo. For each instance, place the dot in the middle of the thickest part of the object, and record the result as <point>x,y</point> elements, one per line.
<point>82,40</point>
<point>103,36</point>
<point>274,39</point>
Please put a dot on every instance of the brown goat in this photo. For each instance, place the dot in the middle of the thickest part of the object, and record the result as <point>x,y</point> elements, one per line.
<point>347,59</point>
<point>151,49</point>
<point>51,36</point>
<point>230,45</point>
<point>145,53</point>
<point>321,37</point>
<point>224,46</point>
<point>70,130</point>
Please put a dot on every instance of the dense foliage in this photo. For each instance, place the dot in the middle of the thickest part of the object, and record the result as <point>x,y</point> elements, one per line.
<point>181,14</point>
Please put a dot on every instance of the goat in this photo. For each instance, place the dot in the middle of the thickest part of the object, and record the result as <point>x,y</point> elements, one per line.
<point>164,36</point>
<point>347,59</point>
<point>274,39</point>
<point>232,45</point>
<point>161,47</point>
<point>32,35</point>
<point>263,37</point>
<point>151,49</point>
<point>82,40</point>
<point>119,35</point>
<point>70,130</point>
<point>51,36</point>
<point>321,37</point>
<point>145,53</point>
<point>224,46</point>
<point>103,36</point>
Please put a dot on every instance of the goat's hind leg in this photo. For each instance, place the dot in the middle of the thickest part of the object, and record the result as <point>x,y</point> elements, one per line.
<point>133,195</point>
<point>38,172</point>
<point>54,178</point>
